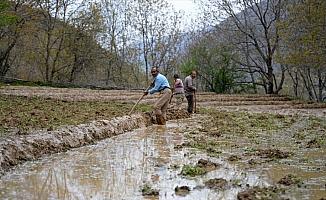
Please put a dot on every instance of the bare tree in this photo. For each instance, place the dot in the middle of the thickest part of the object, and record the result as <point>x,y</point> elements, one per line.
<point>12,21</point>
<point>158,26</point>
<point>255,22</point>
<point>55,17</point>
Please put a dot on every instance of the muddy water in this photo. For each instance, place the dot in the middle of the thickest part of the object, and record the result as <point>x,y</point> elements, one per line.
<point>118,167</point>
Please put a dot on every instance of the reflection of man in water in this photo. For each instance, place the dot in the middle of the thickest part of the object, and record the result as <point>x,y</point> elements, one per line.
<point>164,142</point>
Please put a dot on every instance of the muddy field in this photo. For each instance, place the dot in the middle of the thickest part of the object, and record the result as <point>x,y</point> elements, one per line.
<point>250,103</point>
<point>235,147</point>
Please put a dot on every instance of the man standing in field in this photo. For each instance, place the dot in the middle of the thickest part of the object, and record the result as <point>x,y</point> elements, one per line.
<point>161,85</point>
<point>178,91</point>
<point>190,89</point>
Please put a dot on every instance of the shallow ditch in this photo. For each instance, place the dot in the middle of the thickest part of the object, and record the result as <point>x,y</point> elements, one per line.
<point>119,167</point>
<point>17,149</point>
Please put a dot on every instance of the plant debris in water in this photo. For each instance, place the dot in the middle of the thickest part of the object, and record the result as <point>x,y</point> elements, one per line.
<point>202,143</point>
<point>272,153</point>
<point>147,190</point>
<point>234,122</point>
<point>290,179</point>
<point>182,190</point>
<point>207,165</point>
<point>202,167</point>
<point>192,171</point>
<point>216,183</point>
<point>257,193</point>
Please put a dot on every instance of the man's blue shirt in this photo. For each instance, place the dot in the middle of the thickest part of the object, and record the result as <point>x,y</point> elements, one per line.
<point>160,82</point>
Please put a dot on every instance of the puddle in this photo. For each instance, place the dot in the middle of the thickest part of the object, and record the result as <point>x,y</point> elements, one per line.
<point>118,168</point>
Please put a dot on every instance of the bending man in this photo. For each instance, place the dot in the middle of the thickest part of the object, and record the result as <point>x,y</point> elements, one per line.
<point>161,85</point>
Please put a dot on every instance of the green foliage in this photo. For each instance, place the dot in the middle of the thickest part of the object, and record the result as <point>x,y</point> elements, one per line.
<point>189,170</point>
<point>214,64</point>
<point>188,66</point>
<point>211,147</point>
<point>6,17</point>
<point>303,51</point>
<point>147,190</point>
<point>303,33</point>
<point>224,79</point>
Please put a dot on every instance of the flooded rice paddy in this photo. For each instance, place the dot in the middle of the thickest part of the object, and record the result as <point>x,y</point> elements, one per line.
<point>122,166</point>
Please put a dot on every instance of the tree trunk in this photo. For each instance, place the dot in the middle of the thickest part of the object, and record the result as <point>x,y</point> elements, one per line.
<point>295,81</point>
<point>320,86</point>
<point>270,84</point>
<point>308,88</point>
<point>280,86</point>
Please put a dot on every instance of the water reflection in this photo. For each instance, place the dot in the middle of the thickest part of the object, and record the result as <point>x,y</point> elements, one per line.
<point>114,169</point>
<point>117,168</point>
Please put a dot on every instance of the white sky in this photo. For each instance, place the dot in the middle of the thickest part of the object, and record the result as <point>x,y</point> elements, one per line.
<point>190,9</point>
<point>186,5</point>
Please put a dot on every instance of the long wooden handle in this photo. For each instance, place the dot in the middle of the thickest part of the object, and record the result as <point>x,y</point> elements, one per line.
<point>195,100</point>
<point>132,109</point>
<point>136,104</point>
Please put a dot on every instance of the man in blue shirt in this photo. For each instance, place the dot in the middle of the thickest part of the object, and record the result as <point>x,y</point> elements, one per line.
<point>161,85</point>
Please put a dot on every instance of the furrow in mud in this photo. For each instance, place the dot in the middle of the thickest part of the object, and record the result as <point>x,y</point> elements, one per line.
<point>17,149</point>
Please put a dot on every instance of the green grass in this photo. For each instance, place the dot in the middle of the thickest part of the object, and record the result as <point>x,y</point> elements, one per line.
<point>147,190</point>
<point>26,114</point>
<point>247,123</point>
<point>210,146</point>
<point>189,170</point>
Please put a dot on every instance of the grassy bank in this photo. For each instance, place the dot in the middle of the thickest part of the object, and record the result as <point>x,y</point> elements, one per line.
<point>20,115</point>
<point>249,132</point>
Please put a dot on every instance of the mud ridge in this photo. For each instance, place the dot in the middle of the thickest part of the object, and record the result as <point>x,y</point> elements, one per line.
<point>17,149</point>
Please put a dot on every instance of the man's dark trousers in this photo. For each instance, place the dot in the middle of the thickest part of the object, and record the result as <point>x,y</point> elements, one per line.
<point>190,99</point>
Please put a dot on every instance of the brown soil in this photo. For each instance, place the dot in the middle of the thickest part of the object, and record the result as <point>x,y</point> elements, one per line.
<point>215,133</point>
<point>207,165</point>
<point>250,102</point>
<point>19,148</point>
<point>289,179</point>
<point>272,153</point>
<point>256,193</point>
<point>216,183</point>
<point>147,191</point>
<point>234,158</point>
<point>313,144</point>
<point>182,190</point>
<point>173,114</point>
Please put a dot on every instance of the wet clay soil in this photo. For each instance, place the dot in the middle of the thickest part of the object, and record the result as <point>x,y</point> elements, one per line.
<point>119,167</point>
<point>266,157</point>
<point>18,149</point>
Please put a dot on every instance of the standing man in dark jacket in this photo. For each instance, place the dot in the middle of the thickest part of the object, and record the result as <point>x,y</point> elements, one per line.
<point>190,90</point>
<point>161,85</point>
